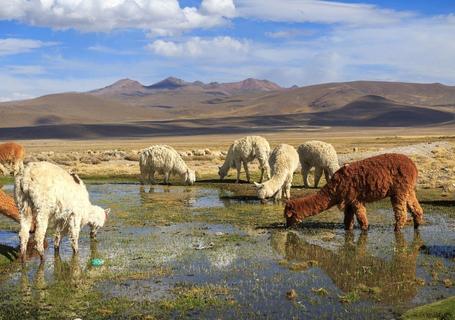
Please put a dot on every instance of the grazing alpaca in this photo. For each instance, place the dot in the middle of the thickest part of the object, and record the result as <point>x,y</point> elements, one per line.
<point>246,150</point>
<point>353,185</point>
<point>320,155</point>
<point>8,207</point>
<point>46,192</point>
<point>11,155</point>
<point>283,161</point>
<point>164,160</point>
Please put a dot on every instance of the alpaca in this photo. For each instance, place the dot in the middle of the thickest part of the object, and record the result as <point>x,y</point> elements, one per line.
<point>320,155</point>
<point>8,207</point>
<point>11,155</point>
<point>164,160</point>
<point>44,192</point>
<point>372,179</point>
<point>283,161</point>
<point>245,150</point>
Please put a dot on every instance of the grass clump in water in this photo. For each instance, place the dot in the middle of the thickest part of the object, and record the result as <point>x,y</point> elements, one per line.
<point>190,297</point>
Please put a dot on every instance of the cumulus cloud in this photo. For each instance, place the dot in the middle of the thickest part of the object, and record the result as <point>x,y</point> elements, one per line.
<point>318,12</point>
<point>10,46</point>
<point>216,48</point>
<point>224,8</point>
<point>162,17</point>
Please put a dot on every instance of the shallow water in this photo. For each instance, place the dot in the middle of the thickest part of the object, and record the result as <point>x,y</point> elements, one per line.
<point>160,238</point>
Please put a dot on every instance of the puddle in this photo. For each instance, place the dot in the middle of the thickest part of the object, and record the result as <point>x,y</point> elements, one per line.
<point>149,249</point>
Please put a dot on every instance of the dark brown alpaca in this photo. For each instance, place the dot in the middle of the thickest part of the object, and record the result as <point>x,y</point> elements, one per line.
<point>388,175</point>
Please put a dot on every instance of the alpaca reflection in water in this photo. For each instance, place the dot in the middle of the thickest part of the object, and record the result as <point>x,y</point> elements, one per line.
<point>351,267</point>
<point>43,292</point>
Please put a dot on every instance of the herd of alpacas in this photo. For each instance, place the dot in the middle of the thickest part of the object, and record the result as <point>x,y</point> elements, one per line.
<point>45,192</point>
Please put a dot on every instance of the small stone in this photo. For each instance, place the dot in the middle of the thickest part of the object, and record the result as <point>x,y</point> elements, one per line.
<point>291,295</point>
<point>447,283</point>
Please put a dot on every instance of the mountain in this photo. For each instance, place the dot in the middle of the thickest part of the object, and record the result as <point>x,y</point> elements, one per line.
<point>251,102</point>
<point>127,89</point>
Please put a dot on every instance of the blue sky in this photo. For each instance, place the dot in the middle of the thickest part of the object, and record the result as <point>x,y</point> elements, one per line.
<point>52,46</point>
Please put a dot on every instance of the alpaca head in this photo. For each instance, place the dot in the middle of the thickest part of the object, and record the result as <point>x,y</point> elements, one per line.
<point>263,191</point>
<point>290,214</point>
<point>97,218</point>
<point>190,176</point>
<point>222,172</point>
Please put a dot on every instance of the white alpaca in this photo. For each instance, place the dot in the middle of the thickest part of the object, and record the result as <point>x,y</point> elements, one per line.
<point>283,161</point>
<point>246,150</point>
<point>45,191</point>
<point>166,161</point>
<point>320,155</point>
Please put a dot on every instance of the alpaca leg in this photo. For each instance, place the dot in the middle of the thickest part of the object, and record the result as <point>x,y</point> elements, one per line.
<point>143,175</point>
<point>400,211</point>
<point>415,208</point>
<point>287,190</point>
<point>349,218</point>
<point>266,169</point>
<point>40,233</point>
<point>305,170</point>
<point>278,194</point>
<point>57,239</point>
<point>151,177</point>
<point>361,215</point>
<point>238,166</point>
<point>262,166</point>
<point>317,176</point>
<point>247,172</point>
<point>24,233</point>
<point>74,235</point>
<point>166,177</point>
<point>327,175</point>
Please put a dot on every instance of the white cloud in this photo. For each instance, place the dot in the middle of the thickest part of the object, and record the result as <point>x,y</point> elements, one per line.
<point>10,46</point>
<point>216,48</point>
<point>224,8</point>
<point>163,17</point>
<point>318,11</point>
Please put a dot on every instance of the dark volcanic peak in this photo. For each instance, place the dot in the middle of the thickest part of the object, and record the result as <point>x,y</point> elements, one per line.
<point>169,83</point>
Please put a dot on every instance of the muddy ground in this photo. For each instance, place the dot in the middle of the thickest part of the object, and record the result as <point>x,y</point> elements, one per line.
<point>213,251</point>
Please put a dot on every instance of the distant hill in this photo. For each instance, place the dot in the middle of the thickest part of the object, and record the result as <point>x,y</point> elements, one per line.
<point>127,88</point>
<point>347,104</point>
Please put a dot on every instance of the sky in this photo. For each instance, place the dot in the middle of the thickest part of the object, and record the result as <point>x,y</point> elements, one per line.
<point>49,46</point>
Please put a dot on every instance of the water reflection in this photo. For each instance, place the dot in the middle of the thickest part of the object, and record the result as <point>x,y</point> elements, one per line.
<point>191,197</point>
<point>352,267</point>
<point>57,286</point>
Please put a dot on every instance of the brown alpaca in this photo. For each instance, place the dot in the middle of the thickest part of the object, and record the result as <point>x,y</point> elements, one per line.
<point>8,207</point>
<point>388,175</point>
<point>11,154</point>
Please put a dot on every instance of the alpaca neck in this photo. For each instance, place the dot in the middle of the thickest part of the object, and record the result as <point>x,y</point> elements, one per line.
<point>228,162</point>
<point>315,203</point>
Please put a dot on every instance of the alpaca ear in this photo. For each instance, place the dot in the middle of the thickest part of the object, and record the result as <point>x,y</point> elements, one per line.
<point>107,211</point>
<point>258,185</point>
